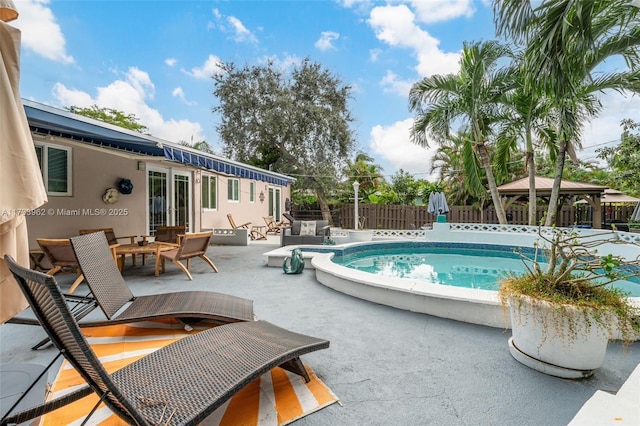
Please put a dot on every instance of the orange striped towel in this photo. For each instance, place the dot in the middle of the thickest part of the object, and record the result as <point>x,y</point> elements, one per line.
<point>276,398</point>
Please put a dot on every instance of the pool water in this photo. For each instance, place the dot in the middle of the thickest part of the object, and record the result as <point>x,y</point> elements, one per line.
<point>459,267</point>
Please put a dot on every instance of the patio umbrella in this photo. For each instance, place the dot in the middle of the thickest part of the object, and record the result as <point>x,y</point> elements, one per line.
<point>21,186</point>
<point>437,203</point>
<point>636,214</point>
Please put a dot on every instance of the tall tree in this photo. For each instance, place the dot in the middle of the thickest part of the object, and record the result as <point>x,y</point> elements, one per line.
<point>111,116</point>
<point>527,121</point>
<point>566,41</point>
<point>296,123</point>
<point>472,97</point>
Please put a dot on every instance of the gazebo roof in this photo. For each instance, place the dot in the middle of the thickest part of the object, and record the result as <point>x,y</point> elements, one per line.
<point>544,185</point>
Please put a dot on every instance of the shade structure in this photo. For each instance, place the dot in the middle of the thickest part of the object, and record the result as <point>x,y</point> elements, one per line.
<point>437,203</point>
<point>613,196</point>
<point>21,183</point>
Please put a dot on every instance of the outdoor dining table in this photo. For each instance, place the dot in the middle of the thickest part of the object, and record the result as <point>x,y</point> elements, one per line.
<point>123,250</point>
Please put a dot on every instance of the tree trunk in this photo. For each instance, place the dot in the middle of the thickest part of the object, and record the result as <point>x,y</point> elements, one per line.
<point>324,206</point>
<point>552,211</point>
<point>531,167</point>
<point>481,149</point>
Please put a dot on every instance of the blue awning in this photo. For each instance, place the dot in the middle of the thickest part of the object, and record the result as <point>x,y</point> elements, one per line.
<point>47,120</point>
<point>224,166</point>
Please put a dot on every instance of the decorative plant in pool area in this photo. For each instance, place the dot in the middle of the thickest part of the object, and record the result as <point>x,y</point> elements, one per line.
<point>565,294</point>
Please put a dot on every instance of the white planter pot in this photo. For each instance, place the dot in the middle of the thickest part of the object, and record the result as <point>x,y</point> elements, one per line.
<point>564,342</point>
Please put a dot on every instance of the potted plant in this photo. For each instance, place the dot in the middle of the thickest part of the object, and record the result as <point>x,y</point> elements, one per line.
<point>563,310</point>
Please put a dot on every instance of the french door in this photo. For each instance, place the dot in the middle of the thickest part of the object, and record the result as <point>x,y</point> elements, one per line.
<point>169,194</point>
<point>275,203</point>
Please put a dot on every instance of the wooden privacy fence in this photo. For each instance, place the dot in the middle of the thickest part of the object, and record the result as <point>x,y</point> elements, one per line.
<point>375,216</point>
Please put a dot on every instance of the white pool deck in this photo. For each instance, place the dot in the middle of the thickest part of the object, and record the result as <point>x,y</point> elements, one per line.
<point>474,306</point>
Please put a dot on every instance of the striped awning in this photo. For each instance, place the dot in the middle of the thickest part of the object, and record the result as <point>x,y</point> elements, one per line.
<point>47,120</point>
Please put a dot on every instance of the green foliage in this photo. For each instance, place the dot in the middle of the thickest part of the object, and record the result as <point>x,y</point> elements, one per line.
<point>624,159</point>
<point>200,146</point>
<point>296,123</point>
<point>111,116</point>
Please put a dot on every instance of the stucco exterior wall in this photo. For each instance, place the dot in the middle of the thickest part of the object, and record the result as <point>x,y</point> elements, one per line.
<point>95,170</point>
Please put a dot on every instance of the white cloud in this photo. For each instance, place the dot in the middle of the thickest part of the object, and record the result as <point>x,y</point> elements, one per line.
<point>395,25</point>
<point>285,64</point>
<point>129,95</point>
<point>40,31</point>
<point>171,61</point>
<point>393,84</point>
<point>325,42</point>
<point>179,93</point>
<point>442,10</point>
<point>211,67</point>
<point>393,143</point>
<point>374,54</point>
<point>241,33</point>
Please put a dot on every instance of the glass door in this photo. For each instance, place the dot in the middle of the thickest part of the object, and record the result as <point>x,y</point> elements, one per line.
<point>157,194</point>
<point>275,205</point>
<point>181,206</point>
<point>169,198</point>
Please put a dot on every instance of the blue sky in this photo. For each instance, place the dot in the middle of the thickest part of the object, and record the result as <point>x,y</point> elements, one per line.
<point>155,59</point>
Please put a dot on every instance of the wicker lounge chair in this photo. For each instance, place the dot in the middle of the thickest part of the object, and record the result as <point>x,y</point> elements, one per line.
<point>112,292</point>
<point>181,383</point>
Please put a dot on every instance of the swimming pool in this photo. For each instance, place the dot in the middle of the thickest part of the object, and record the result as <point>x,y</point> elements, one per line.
<point>462,265</point>
<point>467,303</point>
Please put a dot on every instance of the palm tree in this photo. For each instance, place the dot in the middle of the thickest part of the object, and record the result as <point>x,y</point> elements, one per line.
<point>448,162</point>
<point>470,97</point>
<point>526,120</point>
<point>567,40</point>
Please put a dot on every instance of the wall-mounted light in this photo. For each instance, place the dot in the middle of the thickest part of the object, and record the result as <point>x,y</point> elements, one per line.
<point>142,166</point>
<point>261,197</point>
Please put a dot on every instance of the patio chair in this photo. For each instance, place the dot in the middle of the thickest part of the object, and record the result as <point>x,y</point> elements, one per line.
<point>166,234</point>
<point>272,225</point>
<point>254,233</point>
<point>191,245</point>
<point>112,293</point>
<point>170,234</point>
<point>60,255</point>
<point>181,383</point>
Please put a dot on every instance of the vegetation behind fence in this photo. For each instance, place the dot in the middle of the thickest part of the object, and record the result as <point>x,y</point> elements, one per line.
<point>378,216</point>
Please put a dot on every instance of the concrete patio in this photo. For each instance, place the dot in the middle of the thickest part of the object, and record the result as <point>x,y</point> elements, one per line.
<point>387,366</point>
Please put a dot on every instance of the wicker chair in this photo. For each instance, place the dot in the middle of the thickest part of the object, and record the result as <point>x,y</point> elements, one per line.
<point>191,245</point>
<point>181,383</point>
<point>112,292</point>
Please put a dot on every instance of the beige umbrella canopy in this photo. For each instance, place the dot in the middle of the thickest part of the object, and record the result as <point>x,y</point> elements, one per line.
<point>613,196</point>
<point>20,180</point>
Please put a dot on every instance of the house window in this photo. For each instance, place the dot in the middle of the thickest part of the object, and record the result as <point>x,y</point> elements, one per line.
<point>209,187</point>
<point>233,189</point>
<point>252,192</point>
<point>55,165</point>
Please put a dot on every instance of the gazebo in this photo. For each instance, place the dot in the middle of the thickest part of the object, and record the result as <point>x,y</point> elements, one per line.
<point>519,189</point>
